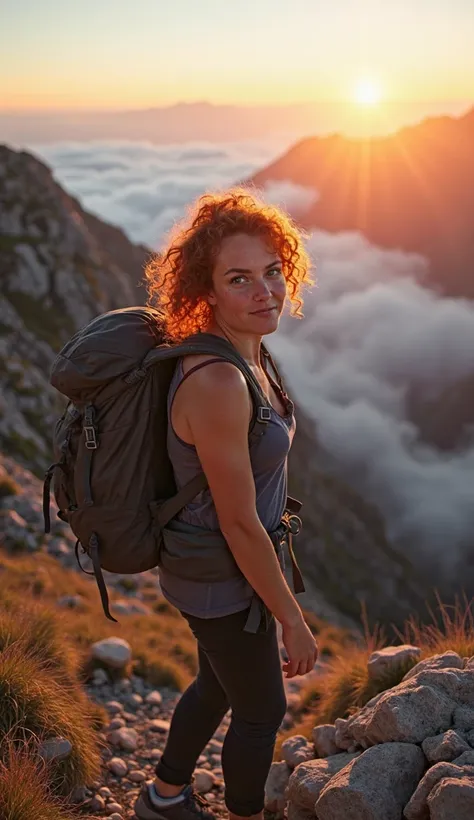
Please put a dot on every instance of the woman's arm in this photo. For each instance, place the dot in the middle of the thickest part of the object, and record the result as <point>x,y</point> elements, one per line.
<point>218,407</point>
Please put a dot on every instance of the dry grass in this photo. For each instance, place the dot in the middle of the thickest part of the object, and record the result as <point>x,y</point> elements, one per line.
<point>162,644</point>
<point>451,628</point>
<point>34,705</point>
<point>24,787</point>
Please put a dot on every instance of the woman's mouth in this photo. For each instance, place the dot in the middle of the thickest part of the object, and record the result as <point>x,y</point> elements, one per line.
<point>264,312</point>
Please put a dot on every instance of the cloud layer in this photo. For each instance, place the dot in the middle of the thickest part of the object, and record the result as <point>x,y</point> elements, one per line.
<point>371,334</point>
<point>144,188</point>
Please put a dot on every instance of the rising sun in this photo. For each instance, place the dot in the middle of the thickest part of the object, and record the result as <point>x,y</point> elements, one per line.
<point>367,92</point>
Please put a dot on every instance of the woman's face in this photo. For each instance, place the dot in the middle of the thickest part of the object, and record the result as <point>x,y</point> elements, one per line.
<point>248,286</point>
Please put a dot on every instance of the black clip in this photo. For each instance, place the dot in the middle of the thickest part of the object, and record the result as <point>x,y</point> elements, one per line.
<point>91,438</point>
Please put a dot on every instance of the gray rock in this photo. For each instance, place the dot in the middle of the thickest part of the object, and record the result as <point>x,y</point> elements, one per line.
<point>296,750</point>
<point>99,677</point>
<point>452,799</point>
<point>447,660</point>
<point>294,813</point>
<point>116,723</point>
<point>113,652</point>
<point>308,779</point>
<point>159,725</point>
<point>203,780</point>
<point>466,759</point>
<point>463,718</point>
<point>137,776</point>
<point>124,738</point>
<point>97,804</point>
<point>114,707</point>
<point>417,807</point>
<point>384,661</point>
<point>154,698</point>
<point>375,785</point>
<point>104,791</point>
<point>341,737</point>
<point>324,739</point>
<point>406,713</point>
<point>14,532</point>
<point>275,787</point>
<point>444,747</point>
<point>113,808</point>
<point>117,766</point>
<point>55,748</point>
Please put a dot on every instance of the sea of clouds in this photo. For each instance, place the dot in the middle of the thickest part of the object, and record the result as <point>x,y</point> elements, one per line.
<point>372,332</point>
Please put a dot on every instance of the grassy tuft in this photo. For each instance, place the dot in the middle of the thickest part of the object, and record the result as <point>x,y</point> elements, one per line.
<point>33,704</point>
<point>24,787</point>
<point>8,485</point>
<point>451,629</point>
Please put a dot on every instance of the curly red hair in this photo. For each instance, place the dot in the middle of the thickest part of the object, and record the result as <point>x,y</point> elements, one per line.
<point>179,278</point>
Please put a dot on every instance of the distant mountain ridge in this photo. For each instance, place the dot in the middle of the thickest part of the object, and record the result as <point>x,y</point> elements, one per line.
<point>413,190</point>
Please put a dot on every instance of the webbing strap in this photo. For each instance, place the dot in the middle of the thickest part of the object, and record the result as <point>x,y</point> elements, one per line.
<point>171,507</point>
<point>298,583</point>
<point>94,554</point>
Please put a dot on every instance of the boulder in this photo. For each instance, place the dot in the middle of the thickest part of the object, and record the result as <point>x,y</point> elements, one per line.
<point>463,718</point>
<point>417,807</point>
<point>112,652</point>
<point>445,746</point>
<point>324,739</point>
<point>385,661</point>
<point>375,785</point>
<point>308,779</point>
<point>452,799</point>
<point>275,787</point>
<point>447,660</point>
<point>296,750</point>
<point>407,713</point>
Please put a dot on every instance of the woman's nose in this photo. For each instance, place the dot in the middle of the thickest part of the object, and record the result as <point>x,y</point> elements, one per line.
<point>261,290</point>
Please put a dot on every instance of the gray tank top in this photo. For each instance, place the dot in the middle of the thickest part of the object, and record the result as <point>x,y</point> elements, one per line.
<point>268,456</point>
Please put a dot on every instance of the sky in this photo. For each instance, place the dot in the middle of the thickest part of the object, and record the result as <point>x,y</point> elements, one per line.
<point>116,54</point>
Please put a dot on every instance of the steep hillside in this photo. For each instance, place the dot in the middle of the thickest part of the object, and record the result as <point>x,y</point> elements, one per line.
<point>59,267</point>
<point>413,190</point>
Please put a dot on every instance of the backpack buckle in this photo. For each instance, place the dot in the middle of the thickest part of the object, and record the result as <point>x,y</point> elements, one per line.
<point>91,438</point>
<point>264,414</point>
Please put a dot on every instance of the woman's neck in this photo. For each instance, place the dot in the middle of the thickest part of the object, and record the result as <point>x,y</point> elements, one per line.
<point>248,346</point>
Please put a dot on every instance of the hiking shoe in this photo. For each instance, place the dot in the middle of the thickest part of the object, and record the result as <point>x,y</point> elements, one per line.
<point>191,806</point>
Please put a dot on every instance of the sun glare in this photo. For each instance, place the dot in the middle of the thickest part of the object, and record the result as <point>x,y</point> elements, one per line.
<point>367,92</point>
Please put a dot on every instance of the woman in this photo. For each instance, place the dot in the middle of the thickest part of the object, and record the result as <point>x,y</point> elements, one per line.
<point>228,271</point>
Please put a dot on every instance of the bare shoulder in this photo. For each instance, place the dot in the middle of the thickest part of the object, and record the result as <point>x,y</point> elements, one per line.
<point>219,379</point>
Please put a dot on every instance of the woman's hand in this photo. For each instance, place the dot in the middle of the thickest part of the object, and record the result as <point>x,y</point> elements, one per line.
<point>301,648</point>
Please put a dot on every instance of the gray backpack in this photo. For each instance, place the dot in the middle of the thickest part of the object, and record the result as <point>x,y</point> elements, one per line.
<point>112,479</point>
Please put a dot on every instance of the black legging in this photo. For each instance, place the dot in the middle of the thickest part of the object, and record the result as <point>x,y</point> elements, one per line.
<point>241,670</point>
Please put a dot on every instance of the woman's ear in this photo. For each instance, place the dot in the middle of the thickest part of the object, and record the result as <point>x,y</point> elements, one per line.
<point>211,298</point>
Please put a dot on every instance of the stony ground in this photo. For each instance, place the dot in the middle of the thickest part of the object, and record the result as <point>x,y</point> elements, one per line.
<point>134,738</point>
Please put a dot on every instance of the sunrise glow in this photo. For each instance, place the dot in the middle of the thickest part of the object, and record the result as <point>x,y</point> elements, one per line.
<point>367,92</point>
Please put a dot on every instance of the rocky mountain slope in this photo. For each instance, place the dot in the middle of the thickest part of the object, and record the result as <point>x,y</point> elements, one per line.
<point>412,190</point>
<point>59,267</point>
